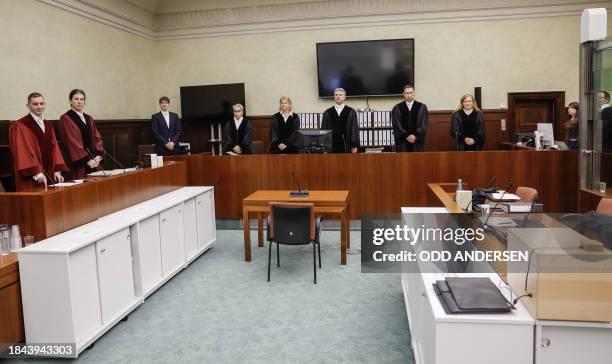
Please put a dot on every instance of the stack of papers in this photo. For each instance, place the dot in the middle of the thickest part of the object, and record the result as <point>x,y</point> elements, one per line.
<point>110,172</point>
<point>499,196</point>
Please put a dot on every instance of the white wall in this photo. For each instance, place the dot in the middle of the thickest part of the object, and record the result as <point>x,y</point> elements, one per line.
<point>52,51</point>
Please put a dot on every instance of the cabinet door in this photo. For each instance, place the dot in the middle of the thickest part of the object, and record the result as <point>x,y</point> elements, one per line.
<point>115,276</point>
<point>149,253</point>
<point>190,228</point>
<point>84,292</point>
<point>172,243</point>
<point>205,216</point>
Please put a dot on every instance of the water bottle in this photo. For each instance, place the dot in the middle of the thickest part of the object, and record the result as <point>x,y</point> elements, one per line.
<point>15,238</point>
<point>5,242</point>
<point>459,185</point>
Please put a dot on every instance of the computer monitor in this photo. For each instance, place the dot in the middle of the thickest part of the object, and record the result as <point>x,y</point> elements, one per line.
<point>315,141</point>
<point>548,137</point>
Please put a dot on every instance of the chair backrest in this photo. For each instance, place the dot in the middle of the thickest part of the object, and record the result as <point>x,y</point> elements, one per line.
<point>527,194</point>
<point>292,223</point>
<point>605,206</point>
<point>257,147</point>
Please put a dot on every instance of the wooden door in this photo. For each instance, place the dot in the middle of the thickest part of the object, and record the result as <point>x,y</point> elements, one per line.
<point>526,109</point>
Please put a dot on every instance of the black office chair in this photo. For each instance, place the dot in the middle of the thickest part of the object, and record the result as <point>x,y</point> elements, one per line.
<point>294,224</point>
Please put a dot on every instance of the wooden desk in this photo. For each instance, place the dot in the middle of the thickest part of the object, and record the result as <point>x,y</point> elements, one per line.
<point>332,202</point>
<point>11,314</point>
<point>44,213</point>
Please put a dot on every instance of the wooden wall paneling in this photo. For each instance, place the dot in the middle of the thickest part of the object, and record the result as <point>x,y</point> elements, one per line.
<point>11,313</point>
<point>383,183</point>
<point>526,109</point>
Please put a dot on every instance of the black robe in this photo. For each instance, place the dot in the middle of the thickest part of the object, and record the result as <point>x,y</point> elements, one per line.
<point>459,131</point>
<point>241,136</point>
<point>344,127</point>
<point>409,122</point>
<point>285,132</point>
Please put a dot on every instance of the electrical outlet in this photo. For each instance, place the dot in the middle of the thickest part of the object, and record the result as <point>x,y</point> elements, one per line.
<point>503,124</point>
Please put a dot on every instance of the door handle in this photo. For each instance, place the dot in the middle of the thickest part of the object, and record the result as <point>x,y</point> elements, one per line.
<point>587,151</point>
<point>102,250</point>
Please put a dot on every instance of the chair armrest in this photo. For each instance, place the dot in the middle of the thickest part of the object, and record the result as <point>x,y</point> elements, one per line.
<point>318,227</point>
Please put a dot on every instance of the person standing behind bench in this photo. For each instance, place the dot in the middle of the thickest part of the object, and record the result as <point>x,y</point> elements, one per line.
<point>80,137</point>
<point>342,121</point>
<point>166,127</point>
<point>238,133</point>
<point>283,129</point>
<point>410,119</point>
<point>467,125</point>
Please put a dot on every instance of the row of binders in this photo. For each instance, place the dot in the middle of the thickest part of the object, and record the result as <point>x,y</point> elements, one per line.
<point>374,119</point>
<point>310,120</point>
<point>371,138</point>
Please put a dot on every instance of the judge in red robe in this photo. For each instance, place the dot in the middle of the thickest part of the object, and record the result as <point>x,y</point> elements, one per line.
<point>82,143</point>
<point>36,155</point>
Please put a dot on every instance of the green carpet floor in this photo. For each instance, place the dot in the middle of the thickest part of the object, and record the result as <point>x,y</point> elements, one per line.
<point>222,310</point>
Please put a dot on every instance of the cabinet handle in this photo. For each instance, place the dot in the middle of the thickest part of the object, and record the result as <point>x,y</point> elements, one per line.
<point>199,202</point>
<point>128,237</point>
<point>102,250</point>
<point>179,211</point>
<point>164,219</point>
<point>423,294</point>
<point>545,342</point>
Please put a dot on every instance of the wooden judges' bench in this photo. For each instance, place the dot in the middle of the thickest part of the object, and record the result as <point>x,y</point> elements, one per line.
<point>46,213</point>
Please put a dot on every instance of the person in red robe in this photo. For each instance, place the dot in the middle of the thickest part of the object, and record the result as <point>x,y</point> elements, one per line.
<point>36,155</point>
<point>82,143</point>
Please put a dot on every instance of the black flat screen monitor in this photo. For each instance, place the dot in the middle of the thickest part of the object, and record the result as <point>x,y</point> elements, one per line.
<point>315,141</point>
<point>210,103</point>
<point>365,68</point>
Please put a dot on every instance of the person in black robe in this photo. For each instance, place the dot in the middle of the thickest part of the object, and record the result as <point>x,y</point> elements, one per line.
<point>410,119</point>
<point>342,121</point>
<point>467,125</point>
<point>238,133</point>
<point>284,129</point>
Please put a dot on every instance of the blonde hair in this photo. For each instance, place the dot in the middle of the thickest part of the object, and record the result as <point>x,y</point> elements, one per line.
<point>288,99</point>
<point>475,105</point>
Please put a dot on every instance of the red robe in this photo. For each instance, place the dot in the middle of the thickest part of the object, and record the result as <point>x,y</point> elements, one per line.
<point>79,147</point>
<point>33,152</point>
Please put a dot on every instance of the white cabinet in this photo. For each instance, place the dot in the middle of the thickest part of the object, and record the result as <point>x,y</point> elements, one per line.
<point>115,277</point>
<point>172,242</point>
<point>76,285</point>
<point>146,249</point>
<point>207,232</point>
<point>190,229</point>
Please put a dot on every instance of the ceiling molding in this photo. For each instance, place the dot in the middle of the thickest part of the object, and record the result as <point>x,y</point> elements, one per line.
<point>311,15</point>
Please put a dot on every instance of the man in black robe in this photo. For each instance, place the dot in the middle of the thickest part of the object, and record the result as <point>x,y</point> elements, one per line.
<point>238,133</point>
<point>342,121</point>
<point>410,119</point>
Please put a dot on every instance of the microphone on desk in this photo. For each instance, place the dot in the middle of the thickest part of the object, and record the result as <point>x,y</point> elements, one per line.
<point>485,225</point>
<point>114,160</point>
<point>49,180</point>
<point>299,192</point>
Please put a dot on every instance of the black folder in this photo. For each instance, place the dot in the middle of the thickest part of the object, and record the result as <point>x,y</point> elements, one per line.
<point>460,295</point>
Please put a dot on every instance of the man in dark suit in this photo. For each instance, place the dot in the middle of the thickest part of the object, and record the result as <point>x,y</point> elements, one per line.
<point>166,128</point>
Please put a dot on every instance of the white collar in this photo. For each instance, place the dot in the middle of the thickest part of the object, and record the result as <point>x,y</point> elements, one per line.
<point>341,106</point>
<point>468,112</point>
<point>165,112</point>
<point>409,103</point>
<point>40,120</point>
<point>604,106</point>
<point>238,121</point>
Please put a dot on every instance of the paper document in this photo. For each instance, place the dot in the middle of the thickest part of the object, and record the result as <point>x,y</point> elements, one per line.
<point>66,184</point>
<point>504,196</point>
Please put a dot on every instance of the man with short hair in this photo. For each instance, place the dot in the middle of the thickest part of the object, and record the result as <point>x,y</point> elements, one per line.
<point>81,139</point>
<point>410,119</point>
<point>342,121</point>
<point>36,155</point>
<point>166,127</point>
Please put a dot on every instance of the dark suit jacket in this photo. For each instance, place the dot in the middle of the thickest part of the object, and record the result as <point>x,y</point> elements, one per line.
<point>457,131</point>
<point>163,134</point>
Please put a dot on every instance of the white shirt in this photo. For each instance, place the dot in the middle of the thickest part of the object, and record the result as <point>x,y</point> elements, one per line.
<point>288,115</point>
<point>80,114</point>
<point>409,104</point>
<point>166,115</point>
<point>468,112</point>
<point>238,122</point>
<point>339,108</point>
<point>39,121</point>
<point>604,106</point>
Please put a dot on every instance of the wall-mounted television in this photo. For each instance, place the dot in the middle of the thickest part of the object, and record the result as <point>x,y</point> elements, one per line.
<point>210,103</point>
<point>365,68</point>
